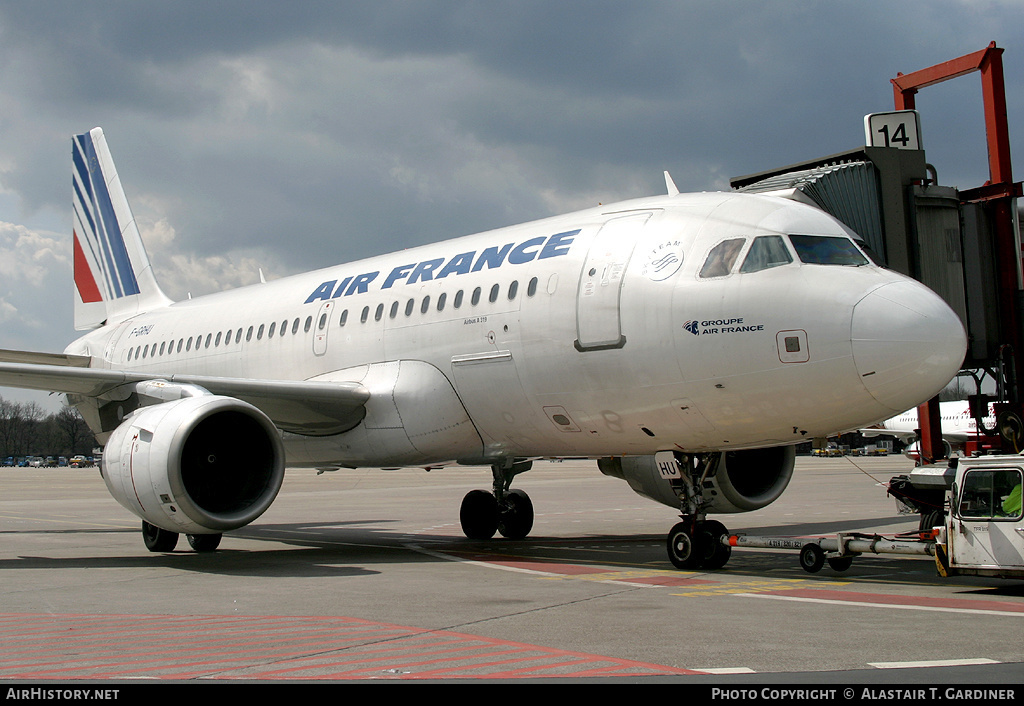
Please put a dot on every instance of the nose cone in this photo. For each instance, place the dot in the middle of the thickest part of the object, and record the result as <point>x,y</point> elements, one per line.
<point>907,343</point>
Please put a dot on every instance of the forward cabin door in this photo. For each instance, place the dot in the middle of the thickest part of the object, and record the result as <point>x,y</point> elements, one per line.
<point>598,311</point>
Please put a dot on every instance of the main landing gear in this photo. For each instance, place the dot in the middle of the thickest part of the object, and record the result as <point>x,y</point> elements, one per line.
<point>161,540</point>
<point>696,542</point>
<point>508,512</point>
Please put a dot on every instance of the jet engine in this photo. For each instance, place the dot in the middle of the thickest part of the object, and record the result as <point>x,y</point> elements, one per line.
<point>735,481</point>
<point>197,465</point>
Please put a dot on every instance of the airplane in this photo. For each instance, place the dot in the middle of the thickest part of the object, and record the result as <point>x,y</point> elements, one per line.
<point>686,342</point>
<point>958,425</point>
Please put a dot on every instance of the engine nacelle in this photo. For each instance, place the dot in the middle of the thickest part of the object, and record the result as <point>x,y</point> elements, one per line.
<point>198,465</point>
<point>743,480</point>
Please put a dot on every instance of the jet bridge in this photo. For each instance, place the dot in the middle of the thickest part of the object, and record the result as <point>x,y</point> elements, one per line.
<point>963,244</point>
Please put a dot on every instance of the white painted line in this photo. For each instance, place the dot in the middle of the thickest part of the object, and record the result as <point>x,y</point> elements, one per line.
<point>484,564</point>
<point>726,670</point>
<point>522,570</point>
<point>936,609</point>
<point>932,663</point>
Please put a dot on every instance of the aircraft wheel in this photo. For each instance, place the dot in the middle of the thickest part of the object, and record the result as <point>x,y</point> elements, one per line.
<point>682,549</point>
<point>515,520</point>
<point>157,539</point>
<point>812,558</point>
<point>479,515</point>
<point>714,554</point>
<point>204,542</point>
<point>840,563</point>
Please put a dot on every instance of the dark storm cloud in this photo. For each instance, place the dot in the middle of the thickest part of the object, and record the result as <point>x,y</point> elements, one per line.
<point>314,132</point>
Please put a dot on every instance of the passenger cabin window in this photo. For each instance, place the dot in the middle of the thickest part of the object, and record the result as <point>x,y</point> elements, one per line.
<point>721,258</point>
<point>766,252</point>
<point>827,250</point>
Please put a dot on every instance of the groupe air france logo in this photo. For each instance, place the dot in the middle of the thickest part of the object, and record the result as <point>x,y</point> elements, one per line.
<point>721,326</point>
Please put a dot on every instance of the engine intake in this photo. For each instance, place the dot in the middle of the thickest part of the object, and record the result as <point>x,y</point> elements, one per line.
<point>197,465</point>
<point>743,480</point>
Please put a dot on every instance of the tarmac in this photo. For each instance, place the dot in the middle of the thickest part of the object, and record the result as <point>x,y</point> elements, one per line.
<point>365,575</point>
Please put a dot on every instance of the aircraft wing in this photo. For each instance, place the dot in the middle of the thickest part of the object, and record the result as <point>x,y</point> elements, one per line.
<point>300,406</point>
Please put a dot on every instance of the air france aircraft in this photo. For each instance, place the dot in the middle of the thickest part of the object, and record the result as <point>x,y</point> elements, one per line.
<point>685,342</point>
<point>958,425</point>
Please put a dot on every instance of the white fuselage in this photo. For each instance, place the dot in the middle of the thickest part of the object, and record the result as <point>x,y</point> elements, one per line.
<point>957,423</point>
<point>591,334</point>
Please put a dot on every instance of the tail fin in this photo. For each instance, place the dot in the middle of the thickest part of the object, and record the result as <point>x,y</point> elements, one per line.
<point>113,276</point>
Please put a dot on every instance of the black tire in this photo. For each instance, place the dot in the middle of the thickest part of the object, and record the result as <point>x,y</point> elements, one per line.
<point>840,563</point>
<point>157,539</point>
<point>812,558</point>
<point>479,515</point>
<point>204,542</point>
<point>930,520</point>
<point>515,519</point>
<point>682,549</point>
<point>714,554</point>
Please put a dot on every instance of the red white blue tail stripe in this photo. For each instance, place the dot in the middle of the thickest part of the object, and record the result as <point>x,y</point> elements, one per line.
<point>103,270</point>
<point>113,278</point>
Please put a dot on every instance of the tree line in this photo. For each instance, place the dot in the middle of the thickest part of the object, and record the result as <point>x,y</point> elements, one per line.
<point>27,430</point>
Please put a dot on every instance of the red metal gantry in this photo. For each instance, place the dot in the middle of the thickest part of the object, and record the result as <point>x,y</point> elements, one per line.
<point>1000,191</point>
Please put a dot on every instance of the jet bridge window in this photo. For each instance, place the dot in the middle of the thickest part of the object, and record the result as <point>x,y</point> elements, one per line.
<point>827,250</point>
<point>991,494</point>
<point>767,251</point>
<point>721,258</point>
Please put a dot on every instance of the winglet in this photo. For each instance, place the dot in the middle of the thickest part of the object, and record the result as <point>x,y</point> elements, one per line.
<point>113,275</point>
<point>670,185</point>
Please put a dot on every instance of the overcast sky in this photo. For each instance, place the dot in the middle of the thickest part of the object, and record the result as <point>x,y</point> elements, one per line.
<point>290,136</point>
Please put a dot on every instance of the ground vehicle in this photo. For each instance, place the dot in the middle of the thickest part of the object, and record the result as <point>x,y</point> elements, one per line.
<point>971,522</point>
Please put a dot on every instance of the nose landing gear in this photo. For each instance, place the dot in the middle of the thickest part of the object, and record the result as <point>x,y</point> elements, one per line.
<point>696,544</point>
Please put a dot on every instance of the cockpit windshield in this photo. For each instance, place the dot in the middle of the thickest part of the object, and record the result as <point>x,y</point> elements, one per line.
<point>827,250</point>
<point>721,258</point>
<point>766,251</point>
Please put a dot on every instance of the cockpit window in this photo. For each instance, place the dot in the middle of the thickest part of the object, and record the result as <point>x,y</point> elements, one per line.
<point>766,252</point>
<point>827,250</point>
<point>721,258</point>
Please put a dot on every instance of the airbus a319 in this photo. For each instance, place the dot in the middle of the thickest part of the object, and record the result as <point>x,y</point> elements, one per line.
<point>686,342</point>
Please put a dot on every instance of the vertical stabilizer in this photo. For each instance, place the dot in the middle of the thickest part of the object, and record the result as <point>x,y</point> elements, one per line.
<point>113,277</point>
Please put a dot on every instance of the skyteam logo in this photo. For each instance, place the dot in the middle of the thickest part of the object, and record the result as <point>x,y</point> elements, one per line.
<point>693,327</point>
<point>663,261</point>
